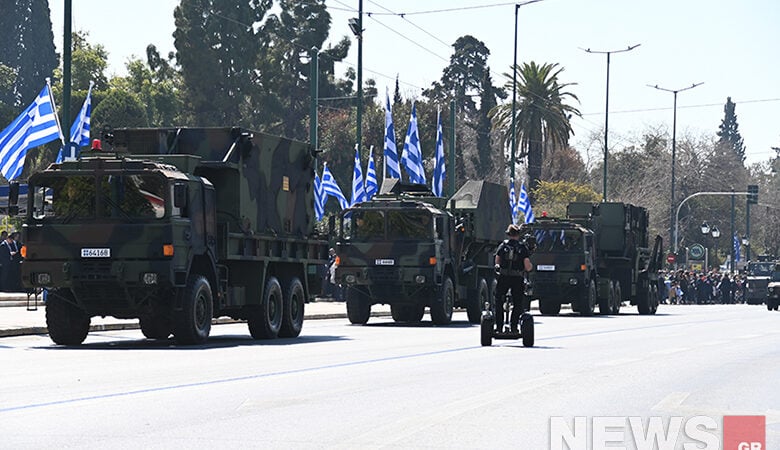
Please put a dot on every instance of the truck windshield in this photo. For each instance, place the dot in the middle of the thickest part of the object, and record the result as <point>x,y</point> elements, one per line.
<point>760,269</point>
<point>409,225</point>
<point>558,240</point>
<point>126,196</point>
<point>364,225</point>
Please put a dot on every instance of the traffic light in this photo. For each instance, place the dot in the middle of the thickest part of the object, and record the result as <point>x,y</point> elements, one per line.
<point>752,196</point>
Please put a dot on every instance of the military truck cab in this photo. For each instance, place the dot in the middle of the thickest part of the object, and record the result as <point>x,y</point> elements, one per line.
<point>773,289</point>
<point>757,274</point>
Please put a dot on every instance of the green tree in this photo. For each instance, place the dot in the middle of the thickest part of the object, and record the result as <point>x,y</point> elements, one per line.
<point>542,115</point>
<point>27,48</point>
<point>728,131</point>
<point>119,109</point>
<point>554,196</point>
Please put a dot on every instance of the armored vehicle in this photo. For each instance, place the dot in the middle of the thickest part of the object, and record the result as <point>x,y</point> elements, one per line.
<point>597,256</point>
<point>176,227</point>
<point>411,250</point>
<point>773,289</point>
<point>757,278</point>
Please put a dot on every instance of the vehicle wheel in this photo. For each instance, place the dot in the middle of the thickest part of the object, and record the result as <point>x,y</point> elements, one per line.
<point>474,308</point>
<point>605,303</point>
<point>155,326</point>
<point>358,307</point>
<point>441,308</point>
<point>486,331</point>
<point>653,294</point>
<point>527,329</point>
<point>405,313</point>
<point>192,324</point>
<point>67,323</point>
<point>549,307</point>
<point>266,321</point>
<point>769,306</point>
<point>292,309</point>
<point>618,299</point>
<point>492,285</point>
<point>643,301</point>
<point>588,300</point>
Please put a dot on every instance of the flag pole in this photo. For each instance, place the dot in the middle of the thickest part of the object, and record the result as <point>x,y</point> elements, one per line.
<point>54,108</point>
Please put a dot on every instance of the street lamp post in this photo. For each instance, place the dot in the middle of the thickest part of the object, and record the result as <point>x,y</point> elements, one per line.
<point>356,25</point>
<point>514,90</point>
<point>674,149</point>
<point>606,115</point>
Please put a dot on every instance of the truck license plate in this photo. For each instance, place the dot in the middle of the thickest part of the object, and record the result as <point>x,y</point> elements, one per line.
<point>543,268</point>
<point>95,252</point>
<point>385,262</point>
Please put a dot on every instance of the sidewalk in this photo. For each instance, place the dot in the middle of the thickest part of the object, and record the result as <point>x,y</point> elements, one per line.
<point>17,319</point>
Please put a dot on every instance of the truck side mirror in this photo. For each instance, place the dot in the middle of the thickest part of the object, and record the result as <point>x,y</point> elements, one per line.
<point>180,195</point>
<point>13,198</point>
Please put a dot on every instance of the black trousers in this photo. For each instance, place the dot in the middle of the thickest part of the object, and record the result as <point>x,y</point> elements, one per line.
<point>517,285</point>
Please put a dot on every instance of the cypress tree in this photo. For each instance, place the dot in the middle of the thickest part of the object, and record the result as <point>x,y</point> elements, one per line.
<point>728,131</point>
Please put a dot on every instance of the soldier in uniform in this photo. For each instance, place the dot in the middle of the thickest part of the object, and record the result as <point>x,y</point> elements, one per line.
<point>512,261</point>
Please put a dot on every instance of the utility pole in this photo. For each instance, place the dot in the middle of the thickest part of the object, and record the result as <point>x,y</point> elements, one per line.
<point>672,231</point>
<point>314,93</point>
<point>67,44</point>
<point>606,115</point>
<point>356,25</point>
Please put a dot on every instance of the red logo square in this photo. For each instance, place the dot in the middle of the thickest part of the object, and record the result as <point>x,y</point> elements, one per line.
<point>744,432</point>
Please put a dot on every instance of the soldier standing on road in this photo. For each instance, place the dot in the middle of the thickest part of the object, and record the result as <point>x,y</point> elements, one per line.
<point>512,261</point>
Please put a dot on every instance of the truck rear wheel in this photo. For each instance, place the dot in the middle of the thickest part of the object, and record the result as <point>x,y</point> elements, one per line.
<point>549,307</point>
<point>475,305</point>
<point>486,331</point>
<point>588,300</point>
<point>358,307</point>
<point>155,326</point>
<point>618,299</point>
<point>192,324</point>
<point>67,323</point>
<point>527,329</point>
<point>265,322</point>
<point>292,309</point>
<point>441,308</point>
<point>605,303</point>
<point>647,303</point>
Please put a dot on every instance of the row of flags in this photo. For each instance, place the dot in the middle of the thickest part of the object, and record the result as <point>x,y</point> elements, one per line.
<point>520,204</point>
<point>38,125</point>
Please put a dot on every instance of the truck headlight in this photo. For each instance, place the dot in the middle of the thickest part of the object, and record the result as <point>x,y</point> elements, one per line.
<point>419,279</point>
<point>150,278</point>
<point>350,278</point>
<point>573,281</point>
<point>43,278</point>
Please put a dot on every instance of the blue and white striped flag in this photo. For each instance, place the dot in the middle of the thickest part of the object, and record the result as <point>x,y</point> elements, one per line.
<point>36,126</point>
<point>319,198</point>
<point>737,249</point>
<point>412,155</point>
<point>439,170</point>
<point>392,169</point>
<point>513,201</point>
<point>79,132</point>
<point>524,205</point>
<point>371,184</point>
<point>358,187</point>
<point>331,189</point>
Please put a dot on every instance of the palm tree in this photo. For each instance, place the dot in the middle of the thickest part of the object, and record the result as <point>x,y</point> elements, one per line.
<point>541,116</point>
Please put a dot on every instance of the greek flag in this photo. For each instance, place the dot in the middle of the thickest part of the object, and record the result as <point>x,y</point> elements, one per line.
<point>512,201</point>
<point>737,249</point>
<point>371,185</point>
<point>358,188</point>
<point>36,126</point>
<point>79,132</point>
<point>392,169</point>
<point>331,189</point>
<point>412,155</point>
<point>439,171</point>
<point>319,198</point>
<point>524,205</point>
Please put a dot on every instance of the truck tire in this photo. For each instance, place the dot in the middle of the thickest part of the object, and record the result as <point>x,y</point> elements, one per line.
<point>292,309</point>
<point>266,321</point>
<point>486,331</point>
<point>605,303</point>
<point>155,326</point>
<point>358,307</point>
<point>527,329</point>
<point>475,305</point>
<point>647,303</point>
<point>618,299</point>
<point>587,301</point>
<point>67,323</point>
<point>192,324</point>
<point>549,307</point>
<point>407,313</point>
<point>441,308</point>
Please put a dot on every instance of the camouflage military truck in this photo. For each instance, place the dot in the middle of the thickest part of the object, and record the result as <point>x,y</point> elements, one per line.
<point>773,289</point>
<point>411,250</point>
<point>597,256</point>
<point>176,227</point>
<point>756,281</point>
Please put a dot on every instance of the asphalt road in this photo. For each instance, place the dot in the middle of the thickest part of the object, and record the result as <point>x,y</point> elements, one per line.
<point>385,385</point>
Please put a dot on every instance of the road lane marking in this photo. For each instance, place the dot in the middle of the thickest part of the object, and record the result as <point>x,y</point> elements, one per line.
<point>669,351</point>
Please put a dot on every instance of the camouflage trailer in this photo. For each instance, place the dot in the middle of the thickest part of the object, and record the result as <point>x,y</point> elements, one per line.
<point>176,227</point>
<point>411,250</point>
<point>599,255</point>
<point>757,279</point>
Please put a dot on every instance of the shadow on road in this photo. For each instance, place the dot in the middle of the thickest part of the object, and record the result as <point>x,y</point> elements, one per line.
<point>423,324</point>
<point>220,341</point>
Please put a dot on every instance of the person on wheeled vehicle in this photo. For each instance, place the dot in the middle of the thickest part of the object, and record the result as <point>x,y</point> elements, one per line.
<point>512,261</point>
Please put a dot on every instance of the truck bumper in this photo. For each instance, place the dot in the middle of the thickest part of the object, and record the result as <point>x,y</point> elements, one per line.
<point>392,285</point>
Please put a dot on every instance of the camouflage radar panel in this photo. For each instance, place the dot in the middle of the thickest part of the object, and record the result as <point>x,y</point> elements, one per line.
<point>484,205</point>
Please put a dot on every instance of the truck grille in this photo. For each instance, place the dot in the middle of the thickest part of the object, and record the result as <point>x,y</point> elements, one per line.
<point>383,274</point>
<point>94,270</point>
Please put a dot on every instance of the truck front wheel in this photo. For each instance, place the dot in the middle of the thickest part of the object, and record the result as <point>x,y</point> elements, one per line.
<point>292,311</point>
<point>588,300</point>
<point>358,307</point>
<point>192,324</point>
<point>67,324</point>
<point>475,305</point>
<point>441,308</point>
<point>155,326</point>
<point>265,322</point>
<point>549,307</point>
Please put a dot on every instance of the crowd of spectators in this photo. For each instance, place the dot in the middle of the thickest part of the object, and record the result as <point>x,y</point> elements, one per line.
<point>690,287</point>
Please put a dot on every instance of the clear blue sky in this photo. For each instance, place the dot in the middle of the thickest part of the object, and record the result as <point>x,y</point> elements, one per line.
<point>730,46</point>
